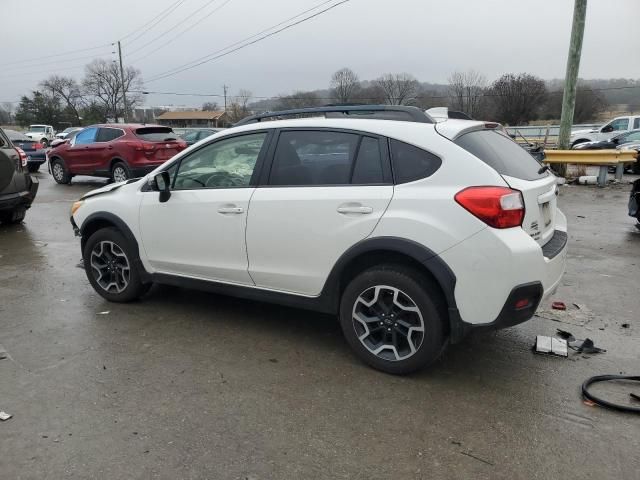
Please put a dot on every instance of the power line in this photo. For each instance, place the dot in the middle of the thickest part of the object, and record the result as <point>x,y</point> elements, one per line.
<point>146,55</point>
<point>167,11</point>
<point>188,17</point>
<point>56,62</point>
<point>244,45</point>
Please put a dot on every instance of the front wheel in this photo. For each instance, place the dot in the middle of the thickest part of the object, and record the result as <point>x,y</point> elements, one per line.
<point>44,142</point>
<point>390,317</point>
<point>13,216</point>
<point>108,263</point>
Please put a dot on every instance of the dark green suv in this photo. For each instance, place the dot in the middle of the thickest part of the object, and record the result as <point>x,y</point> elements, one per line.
<point>17,188</point>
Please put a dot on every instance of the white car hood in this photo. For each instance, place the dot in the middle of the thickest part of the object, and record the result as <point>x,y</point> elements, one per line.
<point>108,188</point>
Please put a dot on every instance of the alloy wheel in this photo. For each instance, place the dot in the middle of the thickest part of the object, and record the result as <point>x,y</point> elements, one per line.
<point>388,323</point>
<point>110,266</point>
<point>58,171</point>
<point>119,174</point>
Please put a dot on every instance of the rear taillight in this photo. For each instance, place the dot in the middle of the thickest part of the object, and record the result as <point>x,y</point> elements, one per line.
<point>498,207</point>
<point>37,146</point>
<point>23,156</point>
<point>145,147</point>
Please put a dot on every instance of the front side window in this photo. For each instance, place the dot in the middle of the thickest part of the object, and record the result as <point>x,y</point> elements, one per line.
<point>227,163</point>
<point>620,124</point>
<point>87,135</point>
<point>313,158</point>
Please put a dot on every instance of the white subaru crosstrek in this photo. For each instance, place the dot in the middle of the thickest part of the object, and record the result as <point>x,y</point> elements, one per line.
<point>415,233</point>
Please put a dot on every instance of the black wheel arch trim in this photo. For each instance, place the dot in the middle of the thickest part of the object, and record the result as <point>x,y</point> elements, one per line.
<point>121,225</point>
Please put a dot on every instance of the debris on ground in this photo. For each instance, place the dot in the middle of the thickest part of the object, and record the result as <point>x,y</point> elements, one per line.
<point>558,306</point>
<point>4,416</point>
<point>580,346</point>
<point>588,180</point>
<point>3,353</point>
<point>575,314</point>
<point>551,346</point>
<point>106,312</point>
<point>625,325</point>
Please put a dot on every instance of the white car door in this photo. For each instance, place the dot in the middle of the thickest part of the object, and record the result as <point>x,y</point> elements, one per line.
<point>200,231</point>
<point>326,190</point>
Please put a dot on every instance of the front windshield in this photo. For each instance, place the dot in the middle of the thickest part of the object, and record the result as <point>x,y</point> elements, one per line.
<point>36,128</point>
<point>70,129</point>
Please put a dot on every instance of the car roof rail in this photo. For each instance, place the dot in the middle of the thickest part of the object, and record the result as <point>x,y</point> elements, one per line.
<point>380,112</point>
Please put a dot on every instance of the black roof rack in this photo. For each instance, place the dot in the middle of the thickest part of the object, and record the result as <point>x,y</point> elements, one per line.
<point>380,112</point>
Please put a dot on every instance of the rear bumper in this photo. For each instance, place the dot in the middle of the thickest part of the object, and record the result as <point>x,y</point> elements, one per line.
<point>23,198</point>
<point>488,265</point>
<point>37,157</point>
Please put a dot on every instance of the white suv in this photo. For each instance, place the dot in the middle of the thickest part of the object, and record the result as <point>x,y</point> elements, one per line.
<point>414,233</point>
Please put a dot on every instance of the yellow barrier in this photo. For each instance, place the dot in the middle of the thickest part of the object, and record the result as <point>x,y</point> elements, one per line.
<point>603,158</point>
<point>590,157</point>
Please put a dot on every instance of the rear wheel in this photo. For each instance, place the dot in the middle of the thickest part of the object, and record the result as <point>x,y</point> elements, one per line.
<point>390,317</point>
<point>108,263</point>
<point>59,171</point>
<point>13,216</point>
<point>120,172</point>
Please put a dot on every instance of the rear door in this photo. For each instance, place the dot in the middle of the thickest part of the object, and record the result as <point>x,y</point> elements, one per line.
<point>104,147</point>
<point>522,172</point>
<point>325,191</point>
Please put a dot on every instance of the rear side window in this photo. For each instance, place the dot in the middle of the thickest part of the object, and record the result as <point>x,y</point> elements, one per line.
<point>502,154</point>
<point>313,158</point>
<point>412,163</point>
<point>156,134</point>
<point>108,134</point>
<point>636,123</point>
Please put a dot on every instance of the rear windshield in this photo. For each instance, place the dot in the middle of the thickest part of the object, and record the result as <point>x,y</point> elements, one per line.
<point>502,154</point>
<point>156,134</point>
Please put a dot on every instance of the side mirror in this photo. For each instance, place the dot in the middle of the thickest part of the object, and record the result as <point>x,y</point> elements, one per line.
<point>161,182</point>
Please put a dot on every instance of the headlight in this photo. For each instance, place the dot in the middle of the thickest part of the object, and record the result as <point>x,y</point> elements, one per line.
<point>76,206</point>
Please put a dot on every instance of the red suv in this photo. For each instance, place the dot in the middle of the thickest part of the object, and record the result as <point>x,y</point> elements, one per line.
<point>117,151</point>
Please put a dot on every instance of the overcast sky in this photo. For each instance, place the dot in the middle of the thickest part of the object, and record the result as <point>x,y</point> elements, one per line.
<point>427,38</point>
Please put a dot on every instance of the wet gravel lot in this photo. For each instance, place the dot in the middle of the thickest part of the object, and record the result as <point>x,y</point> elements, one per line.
<point>186,384</point>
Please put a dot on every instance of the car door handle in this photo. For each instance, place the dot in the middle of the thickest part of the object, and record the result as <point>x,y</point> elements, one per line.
<point>355,209</point>
<point>226,210</point>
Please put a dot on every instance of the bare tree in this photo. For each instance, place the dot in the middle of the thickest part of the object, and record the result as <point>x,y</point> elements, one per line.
<point>589,105</point>
<point>209,107</point>
<point>102,83</point>
<point>344,85</point>
<point>398,88</point>
<point>518,98</point>
<point>298,99</point>
<point>67,89</point>
<point>6,113</point>
<point>238,108</point>
<point>466,90</point>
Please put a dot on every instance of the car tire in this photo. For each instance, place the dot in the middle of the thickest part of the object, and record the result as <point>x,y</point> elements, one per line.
<point>109,262</point>
<point>13,216</point>
<point>33,168</point>
<point>59,171</point>
<point>44,142</point>
<point>393,318</point>
<point>120,172</point>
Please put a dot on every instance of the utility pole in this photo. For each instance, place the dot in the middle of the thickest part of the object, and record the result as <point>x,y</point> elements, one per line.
<point>224,87</point>
<point>571,77</point>
<point>124,90</point>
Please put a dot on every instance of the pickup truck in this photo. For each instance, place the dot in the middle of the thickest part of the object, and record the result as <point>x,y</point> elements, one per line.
<point>41,133</point>
<point>614,127</point>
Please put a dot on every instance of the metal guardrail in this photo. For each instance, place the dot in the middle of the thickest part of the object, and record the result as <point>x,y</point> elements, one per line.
<point>543,134</point>
<point>602,158</point>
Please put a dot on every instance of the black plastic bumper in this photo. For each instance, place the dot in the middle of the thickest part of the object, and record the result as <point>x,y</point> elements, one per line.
<point>520,306</point>
<point>24,198</point>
